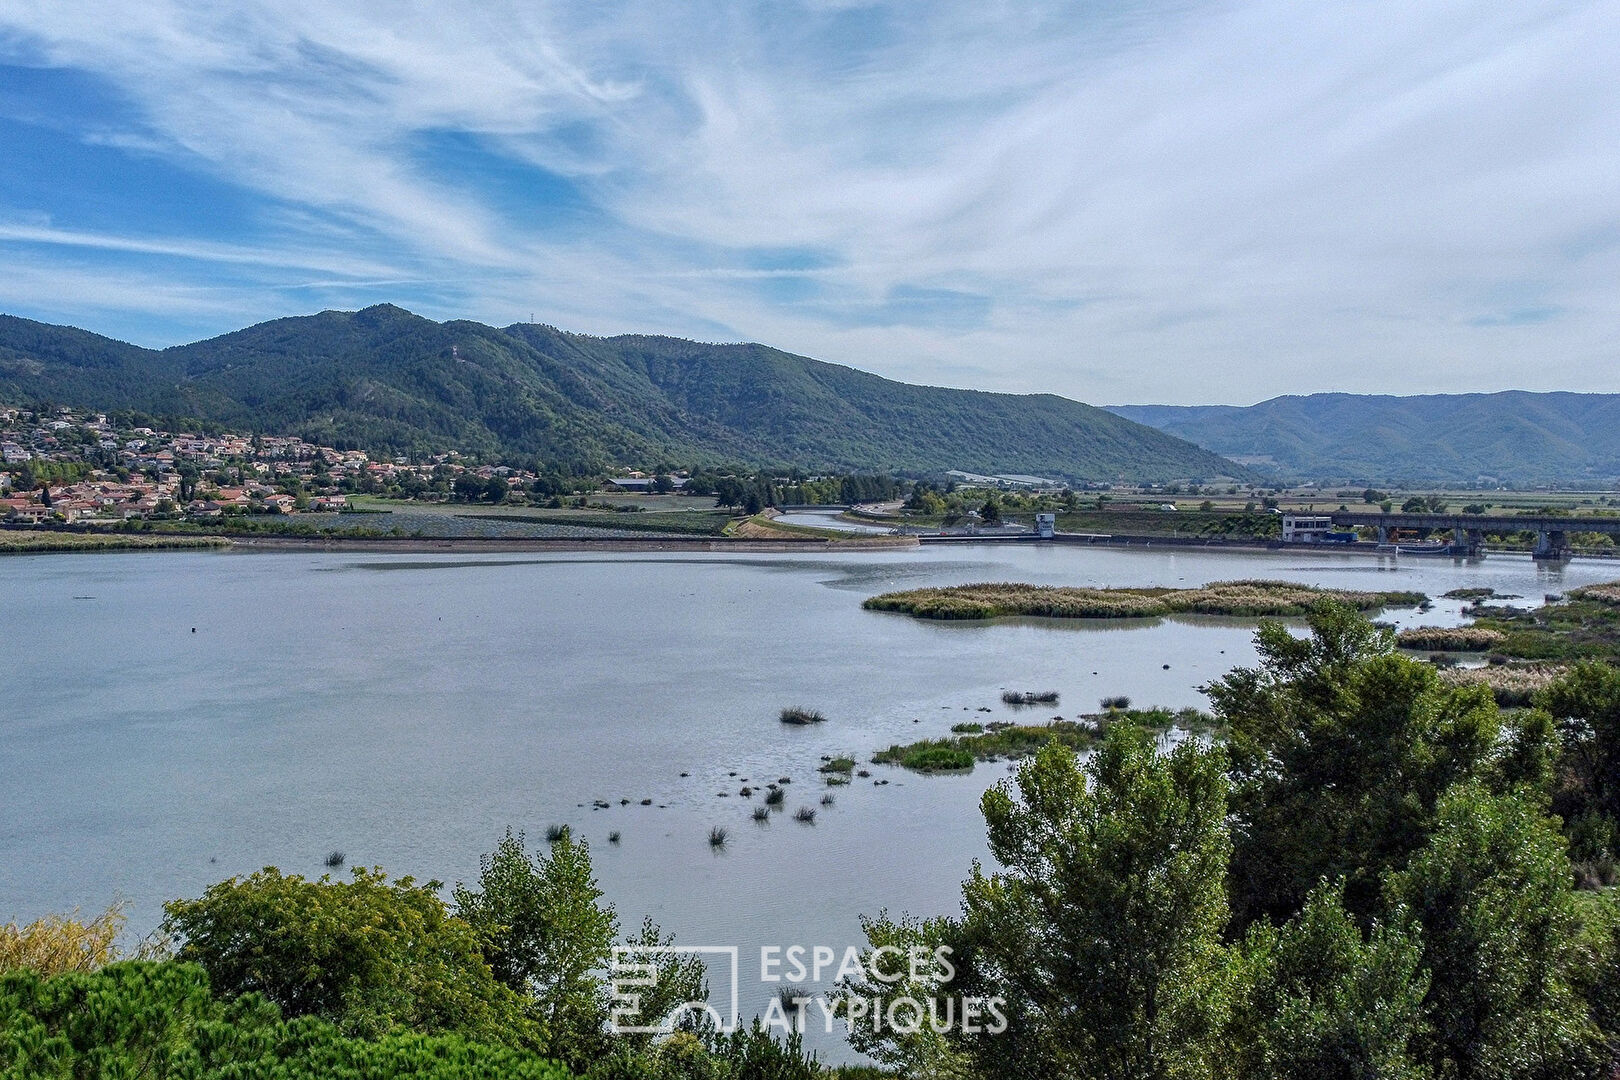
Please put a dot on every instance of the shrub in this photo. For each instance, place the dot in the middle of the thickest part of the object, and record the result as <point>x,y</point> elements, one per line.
<point>57,943</point>
<point>368,954</point>
<point>153,1019</point>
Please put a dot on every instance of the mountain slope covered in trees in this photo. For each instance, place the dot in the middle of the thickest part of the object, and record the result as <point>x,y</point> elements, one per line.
<point>385,378</point>
<point>1513,438</point>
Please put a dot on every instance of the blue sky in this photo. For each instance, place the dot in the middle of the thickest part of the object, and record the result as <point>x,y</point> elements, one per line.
<point>1118,202</point>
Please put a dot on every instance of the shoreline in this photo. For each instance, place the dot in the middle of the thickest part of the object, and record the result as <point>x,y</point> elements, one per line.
<point>750,544</point>
<point>418,545</point>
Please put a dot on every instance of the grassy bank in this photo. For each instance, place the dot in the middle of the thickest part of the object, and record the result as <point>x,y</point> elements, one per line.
<point>762,526</point>
<point>16,542</point>
<point>1243,598</point>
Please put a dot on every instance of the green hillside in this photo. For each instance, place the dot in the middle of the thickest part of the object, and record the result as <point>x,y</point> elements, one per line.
<point>1513,438</point>
<point>385,378</point>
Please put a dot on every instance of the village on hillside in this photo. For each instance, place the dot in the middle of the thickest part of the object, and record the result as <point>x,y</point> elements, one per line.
<point>79,467</point>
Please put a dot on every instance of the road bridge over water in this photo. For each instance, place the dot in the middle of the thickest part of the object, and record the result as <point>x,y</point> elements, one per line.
<point>1468,530</point>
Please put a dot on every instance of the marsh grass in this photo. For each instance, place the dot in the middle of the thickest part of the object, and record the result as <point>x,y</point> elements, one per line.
<point>718,837</point>
<point>1584,623</point>
<point>1014,741</point>
<point>775,797</point>
<point>762,813</point>
<point>1513,685</point>
<point>335,859</point>
<point>797,715</point>
<point>839,765</point>
<point>805,814</point>
<point>1115,704</point>
<point>1240,598</point>
<point>1608,593</point>
<point>1029,697</point>
<point>1450,638</point>
<point>555,833</point>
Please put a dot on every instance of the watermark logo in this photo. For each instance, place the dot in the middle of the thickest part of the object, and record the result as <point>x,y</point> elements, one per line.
<point>633,976</point>
<point>887,991</point>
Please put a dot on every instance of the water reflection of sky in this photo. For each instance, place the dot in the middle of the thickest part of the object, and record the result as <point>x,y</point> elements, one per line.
<point>406,710</point>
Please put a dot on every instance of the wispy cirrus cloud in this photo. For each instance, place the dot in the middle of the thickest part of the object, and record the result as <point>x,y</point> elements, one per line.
<point>1142,201</point>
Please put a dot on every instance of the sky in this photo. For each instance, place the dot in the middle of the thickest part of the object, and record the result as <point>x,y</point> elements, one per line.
<point>1120,201</point>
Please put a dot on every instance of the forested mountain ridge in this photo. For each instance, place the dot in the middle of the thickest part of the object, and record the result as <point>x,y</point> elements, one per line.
<point>385,378</point>
<point>1514,438</point>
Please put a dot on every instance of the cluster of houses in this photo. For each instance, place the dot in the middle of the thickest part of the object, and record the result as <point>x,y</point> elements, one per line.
<point>141,472</point>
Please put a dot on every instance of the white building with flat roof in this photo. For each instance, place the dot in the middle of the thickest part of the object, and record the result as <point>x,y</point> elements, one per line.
<point>1305,528</point>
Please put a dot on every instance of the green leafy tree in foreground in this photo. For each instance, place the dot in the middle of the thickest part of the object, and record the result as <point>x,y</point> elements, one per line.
<point>548,936</point>
<point>1491,898</point>
<point>1103,930</point>
<point>927,1053</point>
<point>541,924</point>
<point>1322,1001</point>
<point>1585,703</point>
<point>369,955</point>
<point>1340,749</point>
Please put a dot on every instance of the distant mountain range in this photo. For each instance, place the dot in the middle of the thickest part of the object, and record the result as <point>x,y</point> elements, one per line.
<point>383,378</point>
<point>1512,438</point>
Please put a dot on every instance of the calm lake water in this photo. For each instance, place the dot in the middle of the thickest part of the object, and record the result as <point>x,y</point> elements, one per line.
<point>170,719</point>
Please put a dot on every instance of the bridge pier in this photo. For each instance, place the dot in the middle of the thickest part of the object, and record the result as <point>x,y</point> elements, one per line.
<point>1468,531</point>
<point>1551,544</point>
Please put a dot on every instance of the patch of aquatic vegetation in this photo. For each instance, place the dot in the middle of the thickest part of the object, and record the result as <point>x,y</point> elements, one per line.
<point>1513,685</point>
<point>1450,638</point>
<point>1014,741</point>
<point>1241,598</point>
<point>1584,624</point>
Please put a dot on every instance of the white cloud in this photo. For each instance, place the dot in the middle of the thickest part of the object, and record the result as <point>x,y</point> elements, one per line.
<point>1160,201</point>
